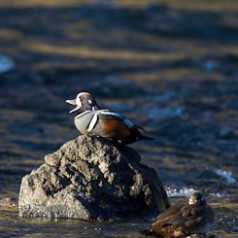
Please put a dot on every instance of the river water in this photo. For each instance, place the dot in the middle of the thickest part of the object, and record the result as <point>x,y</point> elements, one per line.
<point>170,66</point>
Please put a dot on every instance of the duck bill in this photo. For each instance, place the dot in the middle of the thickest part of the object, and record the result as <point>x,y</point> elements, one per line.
<point>73,102</point>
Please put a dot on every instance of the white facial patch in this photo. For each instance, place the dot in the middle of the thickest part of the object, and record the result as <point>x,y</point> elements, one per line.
<point>78,102</point>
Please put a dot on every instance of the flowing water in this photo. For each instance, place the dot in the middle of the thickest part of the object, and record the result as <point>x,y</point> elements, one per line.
<point>171,66</point>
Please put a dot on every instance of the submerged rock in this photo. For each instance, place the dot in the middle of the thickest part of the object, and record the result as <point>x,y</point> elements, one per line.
<point>91,178</point>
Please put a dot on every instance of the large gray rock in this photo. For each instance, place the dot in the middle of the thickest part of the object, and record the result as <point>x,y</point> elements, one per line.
<point>91,178</point>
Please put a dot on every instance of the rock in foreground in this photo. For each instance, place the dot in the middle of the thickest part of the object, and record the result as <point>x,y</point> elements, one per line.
<point>91,178</point>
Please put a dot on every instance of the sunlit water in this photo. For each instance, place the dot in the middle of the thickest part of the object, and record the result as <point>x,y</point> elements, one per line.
<point>170,68</point>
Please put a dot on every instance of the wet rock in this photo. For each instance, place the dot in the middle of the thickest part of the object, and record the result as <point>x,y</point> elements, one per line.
<point>91,178</point>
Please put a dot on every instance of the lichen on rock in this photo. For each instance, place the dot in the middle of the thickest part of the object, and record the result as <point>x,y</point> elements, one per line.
<point>91,178</point>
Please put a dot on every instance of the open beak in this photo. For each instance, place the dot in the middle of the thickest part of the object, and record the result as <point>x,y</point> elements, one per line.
<point>73,102</point>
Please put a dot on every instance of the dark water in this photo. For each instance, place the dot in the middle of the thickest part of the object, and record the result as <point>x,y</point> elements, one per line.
<point>170,66</point>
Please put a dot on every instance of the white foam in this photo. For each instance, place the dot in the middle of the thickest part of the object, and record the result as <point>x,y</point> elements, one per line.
<point>218,195</point>
<point>227,175</point>
<point>174,191</point>
<point>180,192</point>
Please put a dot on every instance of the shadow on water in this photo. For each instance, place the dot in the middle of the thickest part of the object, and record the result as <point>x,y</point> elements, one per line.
<point>171,69</point>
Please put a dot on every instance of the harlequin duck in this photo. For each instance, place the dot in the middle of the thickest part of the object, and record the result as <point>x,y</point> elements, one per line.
<point>93,120</point>
<point>84,101</point>
<point>181,220</point>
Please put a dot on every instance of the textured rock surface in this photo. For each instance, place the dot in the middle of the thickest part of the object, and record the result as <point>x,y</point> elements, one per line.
<point>90,178</point>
